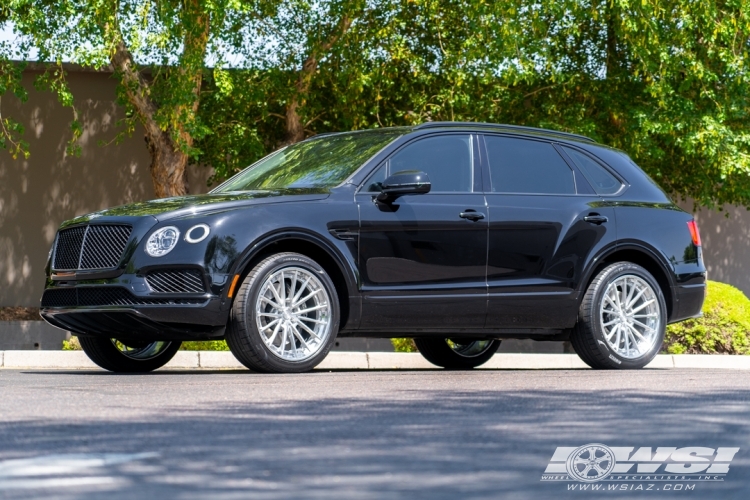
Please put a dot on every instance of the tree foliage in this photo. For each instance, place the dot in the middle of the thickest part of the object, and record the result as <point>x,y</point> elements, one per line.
<point>158,51</point>
<point>664,80</point>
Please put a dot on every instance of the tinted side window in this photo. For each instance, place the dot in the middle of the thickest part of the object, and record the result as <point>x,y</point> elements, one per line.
<point>447,161</point>
<point>602,181</point>
<point>521,166</point>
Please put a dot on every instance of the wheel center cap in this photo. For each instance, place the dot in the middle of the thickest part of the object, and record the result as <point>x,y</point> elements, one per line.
<point>286,315</point>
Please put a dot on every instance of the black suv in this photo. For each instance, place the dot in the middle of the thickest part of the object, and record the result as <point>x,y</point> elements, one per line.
<point>456,234</point>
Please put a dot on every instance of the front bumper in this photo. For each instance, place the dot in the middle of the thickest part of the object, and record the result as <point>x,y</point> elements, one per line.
<point>177,322</point>
<point>124,307</point>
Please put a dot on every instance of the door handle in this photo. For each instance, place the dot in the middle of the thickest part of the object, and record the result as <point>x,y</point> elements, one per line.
<point>472,216</point>
<point>595,219</point>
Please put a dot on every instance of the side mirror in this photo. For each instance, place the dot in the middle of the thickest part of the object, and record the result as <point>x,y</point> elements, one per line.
<point>405,182</point>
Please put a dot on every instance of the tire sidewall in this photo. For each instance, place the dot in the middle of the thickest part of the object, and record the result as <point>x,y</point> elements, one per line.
<point>611,274</point>
<point>267,269</point>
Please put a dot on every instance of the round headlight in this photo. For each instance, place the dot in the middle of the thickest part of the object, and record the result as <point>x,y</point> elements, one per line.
<point>162,241</point>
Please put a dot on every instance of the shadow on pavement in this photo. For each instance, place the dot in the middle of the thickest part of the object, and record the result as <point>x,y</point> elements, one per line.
<point>420,444</point>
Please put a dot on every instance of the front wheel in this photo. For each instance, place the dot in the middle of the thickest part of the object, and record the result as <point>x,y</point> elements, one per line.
<point>457,354</point>
<point>128,356</point>
<point>621,320</point>
<point>285,317</point>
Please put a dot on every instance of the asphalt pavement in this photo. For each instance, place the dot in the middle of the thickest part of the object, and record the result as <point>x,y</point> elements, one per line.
<point>358,434</point>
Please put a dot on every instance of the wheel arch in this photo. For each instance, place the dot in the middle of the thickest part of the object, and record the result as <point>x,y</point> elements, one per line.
<point>313,247</point>
<point>644,257</point>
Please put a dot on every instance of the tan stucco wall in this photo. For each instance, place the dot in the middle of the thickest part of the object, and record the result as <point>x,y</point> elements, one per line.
<point>38,193</point>
<point>725,236</point>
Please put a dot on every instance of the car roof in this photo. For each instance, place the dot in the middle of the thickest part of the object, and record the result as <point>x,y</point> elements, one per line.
<point>499,127</point>
<point>478,127</point>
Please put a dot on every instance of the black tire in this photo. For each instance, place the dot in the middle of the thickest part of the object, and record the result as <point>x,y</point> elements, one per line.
<point>440,353</point>
<point>243,336</point>
<point>104,353</point>
<point>588,336</point>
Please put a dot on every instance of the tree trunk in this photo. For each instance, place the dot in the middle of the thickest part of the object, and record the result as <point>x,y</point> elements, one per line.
<point>168,146</point>
<point>295,129</point>
<point>168,167</point>
<point>612,55</point>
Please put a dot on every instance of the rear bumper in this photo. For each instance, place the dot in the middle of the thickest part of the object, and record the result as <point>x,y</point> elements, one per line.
<point>689,301</point>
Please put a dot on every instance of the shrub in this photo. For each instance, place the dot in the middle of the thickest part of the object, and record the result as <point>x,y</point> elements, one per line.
<point>208,345</point>
<point>72,344</point>
<point>404,345</point>
<point>723,329</point>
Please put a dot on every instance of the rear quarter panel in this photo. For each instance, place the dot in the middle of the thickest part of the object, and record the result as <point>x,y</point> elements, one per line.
<point>648,220</point>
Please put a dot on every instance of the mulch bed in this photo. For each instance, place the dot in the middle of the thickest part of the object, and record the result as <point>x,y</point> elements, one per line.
<point>19,314</point>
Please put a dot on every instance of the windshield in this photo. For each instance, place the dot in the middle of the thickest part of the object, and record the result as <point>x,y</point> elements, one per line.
<point>314,163</point>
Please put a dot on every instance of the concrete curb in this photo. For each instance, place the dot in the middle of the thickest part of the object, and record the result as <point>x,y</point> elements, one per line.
<point>342,360</point>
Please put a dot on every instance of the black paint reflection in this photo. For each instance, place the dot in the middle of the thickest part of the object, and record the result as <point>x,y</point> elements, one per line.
<point>221,253</point>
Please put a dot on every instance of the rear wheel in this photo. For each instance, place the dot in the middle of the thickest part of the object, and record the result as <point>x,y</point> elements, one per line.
<point>128,356</point>
<point>621,320</point>
<point>457,354</point>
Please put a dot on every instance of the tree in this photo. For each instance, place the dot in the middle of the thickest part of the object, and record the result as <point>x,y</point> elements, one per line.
<point>158,51</point>
<point>665,80</point>
<point>274,99</point>
<point>11,131</point>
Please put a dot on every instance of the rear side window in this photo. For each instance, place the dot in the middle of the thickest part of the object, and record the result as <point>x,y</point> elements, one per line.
<point>446,159</point>
<point>602,181</point>
<point>521,166</point>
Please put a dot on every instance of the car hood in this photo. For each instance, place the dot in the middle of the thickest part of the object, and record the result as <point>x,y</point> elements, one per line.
<point>169,208</point>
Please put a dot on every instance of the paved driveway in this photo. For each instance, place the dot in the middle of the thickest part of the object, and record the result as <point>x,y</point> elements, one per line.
<point>426,434</point>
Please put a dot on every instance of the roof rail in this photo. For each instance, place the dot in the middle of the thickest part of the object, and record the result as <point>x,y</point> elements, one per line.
<point>509,128</point>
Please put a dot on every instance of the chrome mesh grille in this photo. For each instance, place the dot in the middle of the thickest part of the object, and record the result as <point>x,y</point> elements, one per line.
<point>91,247</point>
<point>176,281</point>
<point>68,249</point>
<point>104,296</point>
<point>103,246</point>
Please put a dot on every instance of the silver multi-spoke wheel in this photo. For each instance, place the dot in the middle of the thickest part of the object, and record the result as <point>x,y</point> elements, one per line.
<point>140,350</point>
<point>285,316</point>
<point>293,314</point>
<point>630,316</point>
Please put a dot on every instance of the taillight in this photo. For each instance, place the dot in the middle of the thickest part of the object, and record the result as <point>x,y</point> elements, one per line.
<point>693,227</point>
